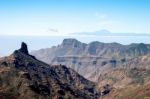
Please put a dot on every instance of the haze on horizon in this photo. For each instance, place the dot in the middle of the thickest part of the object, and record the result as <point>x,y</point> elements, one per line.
<point>45,23</point>
<point>61,17</point>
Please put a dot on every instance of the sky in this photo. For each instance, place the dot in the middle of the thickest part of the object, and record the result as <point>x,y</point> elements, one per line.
<point>44,23</point>
<point>61,17</point>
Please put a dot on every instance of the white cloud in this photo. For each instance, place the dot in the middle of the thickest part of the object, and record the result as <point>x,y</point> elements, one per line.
<point>53,30</point>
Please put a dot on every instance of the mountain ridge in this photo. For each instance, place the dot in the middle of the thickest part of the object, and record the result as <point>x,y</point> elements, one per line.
<point>104,32</point>
<point>23,76</point>
<point>90,58</point>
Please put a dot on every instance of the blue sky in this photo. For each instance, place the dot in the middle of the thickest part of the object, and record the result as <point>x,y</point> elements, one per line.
<point>60,17</point>
<point>22,20</point>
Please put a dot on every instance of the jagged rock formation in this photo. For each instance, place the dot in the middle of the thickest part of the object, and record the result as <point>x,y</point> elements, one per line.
<point>126,68</point>
<point>73,47</point>
<point>24,48</point>
<point>90,60</point>
<point>24,77</point>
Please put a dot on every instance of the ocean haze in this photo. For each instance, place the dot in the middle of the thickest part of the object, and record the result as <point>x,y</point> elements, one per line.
<point>8,43</point>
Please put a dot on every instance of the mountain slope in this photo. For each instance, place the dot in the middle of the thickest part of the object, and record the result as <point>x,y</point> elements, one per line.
<point>73,47</point>
<point>92,59</point>
<point>22,76</point>
<point>131,81</point>
<point>130,92</point>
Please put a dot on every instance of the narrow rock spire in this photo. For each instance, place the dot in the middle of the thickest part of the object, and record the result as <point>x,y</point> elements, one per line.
<point>24,48</point>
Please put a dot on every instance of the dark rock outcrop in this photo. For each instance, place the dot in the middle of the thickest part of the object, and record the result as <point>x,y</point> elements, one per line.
<point>106,90</point>
<point>24,48</point>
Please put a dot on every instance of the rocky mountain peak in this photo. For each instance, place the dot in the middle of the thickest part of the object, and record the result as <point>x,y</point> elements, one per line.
<point>69,39</point>
<point>36,79</point>
<point>24,48</point>
<point>22,53</point>
<point>70,42</point>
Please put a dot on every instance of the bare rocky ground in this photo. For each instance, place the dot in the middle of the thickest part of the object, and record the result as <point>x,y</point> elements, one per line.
<point>22,76</point>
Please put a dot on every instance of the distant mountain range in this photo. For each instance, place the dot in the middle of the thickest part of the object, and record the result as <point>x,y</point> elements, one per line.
<point>126,68</point>
<point>119,72</point>
<point>22,76</point>
<point>108,33</point>
<point>91,60</point>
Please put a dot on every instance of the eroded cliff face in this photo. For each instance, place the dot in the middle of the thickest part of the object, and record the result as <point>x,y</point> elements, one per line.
<point>93,59</point>
<point>22,76</point>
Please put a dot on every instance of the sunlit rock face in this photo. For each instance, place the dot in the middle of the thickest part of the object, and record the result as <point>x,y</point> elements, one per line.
<point>90,60</point>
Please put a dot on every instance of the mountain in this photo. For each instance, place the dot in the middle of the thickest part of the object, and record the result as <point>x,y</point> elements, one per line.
<point>100,32</point>
<point>128,83</point>
<point>22,76</point>
<point>108,33</point>
<point>93,59</point>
